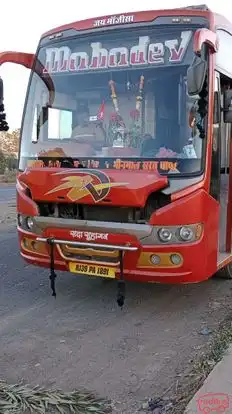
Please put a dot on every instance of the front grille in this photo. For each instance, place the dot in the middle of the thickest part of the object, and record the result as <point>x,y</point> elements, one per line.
<point>106,213</point>
<point>90,254</point>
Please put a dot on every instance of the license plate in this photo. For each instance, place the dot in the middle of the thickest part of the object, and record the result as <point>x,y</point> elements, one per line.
<point>92,270</point>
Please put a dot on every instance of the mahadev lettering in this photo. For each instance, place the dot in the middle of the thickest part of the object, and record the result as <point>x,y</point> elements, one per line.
<point>144,53</point>
<point>88,235</point>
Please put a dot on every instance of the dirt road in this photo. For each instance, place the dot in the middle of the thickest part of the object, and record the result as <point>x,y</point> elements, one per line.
<point>7,207</point>
<point>7,193</point>
<point>82,339</point>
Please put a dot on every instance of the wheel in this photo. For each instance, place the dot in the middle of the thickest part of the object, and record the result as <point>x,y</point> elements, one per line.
<point>225,272</point>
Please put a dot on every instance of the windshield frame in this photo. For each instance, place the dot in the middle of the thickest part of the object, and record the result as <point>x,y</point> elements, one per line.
<point>55,42</point>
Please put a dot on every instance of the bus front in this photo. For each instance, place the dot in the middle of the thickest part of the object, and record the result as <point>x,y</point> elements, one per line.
<point>112,165</point>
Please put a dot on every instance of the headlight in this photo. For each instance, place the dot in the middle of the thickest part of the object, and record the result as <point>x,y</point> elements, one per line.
<point>186,233</point>
<point>165,235</point>
<point>178,234</point>
<point>30,222</point>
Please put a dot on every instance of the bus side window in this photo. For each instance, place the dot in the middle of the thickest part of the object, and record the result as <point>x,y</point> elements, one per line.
<point>221,141</point>
<point>215,163</point>
<point>225,131</point>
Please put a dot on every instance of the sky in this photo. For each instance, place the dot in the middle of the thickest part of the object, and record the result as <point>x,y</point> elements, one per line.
<point>23,22</point>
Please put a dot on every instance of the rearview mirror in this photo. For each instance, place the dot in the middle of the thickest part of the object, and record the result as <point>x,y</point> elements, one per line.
<point>3,124</point>
<point>227,106</point>
<point>196,74</point>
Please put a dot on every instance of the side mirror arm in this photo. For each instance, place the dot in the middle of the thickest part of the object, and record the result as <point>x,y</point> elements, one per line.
<point>24,59</point>
<point>205,36</point>
<point>29,61</point>
<point>197,70</point>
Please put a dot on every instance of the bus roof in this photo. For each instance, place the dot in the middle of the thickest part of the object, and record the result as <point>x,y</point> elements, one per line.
<point>216,20</point>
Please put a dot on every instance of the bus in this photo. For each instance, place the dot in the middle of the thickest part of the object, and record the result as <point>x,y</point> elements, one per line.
<point>125,156</point>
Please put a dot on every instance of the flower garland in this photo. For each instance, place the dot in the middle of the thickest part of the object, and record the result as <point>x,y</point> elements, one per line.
<point>139,97</point>
<point>116,124</point>
<point>116,121</point>
<point>114,95</point>
<point>135,129</point>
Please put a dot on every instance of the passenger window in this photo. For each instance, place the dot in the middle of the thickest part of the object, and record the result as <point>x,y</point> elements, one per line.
<point>59,123</point>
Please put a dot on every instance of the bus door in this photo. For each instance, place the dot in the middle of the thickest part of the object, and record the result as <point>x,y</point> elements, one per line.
<point>224,141</point>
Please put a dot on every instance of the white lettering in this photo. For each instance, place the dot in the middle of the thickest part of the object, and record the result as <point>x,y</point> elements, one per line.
<point>88,236</point>
<point>79,61</point>
<point>129,19</point>
<point>57,59</point>
<point>118,57</point>
<point>114,20</point>
<point>76,234</point>
<point>111,20</point>
<point>99,57</point>
<point>156,53</point>
<point>138,53</point>
<point>177,51</point>
<point>144,53</point>
<point>101,22</point>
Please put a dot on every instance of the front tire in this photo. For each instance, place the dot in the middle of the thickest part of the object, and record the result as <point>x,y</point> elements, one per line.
<point>225,272</point>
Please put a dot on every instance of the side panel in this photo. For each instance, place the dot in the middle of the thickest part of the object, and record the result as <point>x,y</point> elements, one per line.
<point>224,68</point>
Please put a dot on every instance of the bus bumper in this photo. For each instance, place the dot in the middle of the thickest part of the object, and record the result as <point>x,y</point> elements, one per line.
<point>174,264</point>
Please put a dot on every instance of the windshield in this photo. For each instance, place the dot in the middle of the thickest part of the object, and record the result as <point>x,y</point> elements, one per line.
<point>118,102</point>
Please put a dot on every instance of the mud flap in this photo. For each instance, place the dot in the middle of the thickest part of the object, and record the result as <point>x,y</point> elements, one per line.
<point>121,283</point>
<point>122,249</point>
<point>52,270</point>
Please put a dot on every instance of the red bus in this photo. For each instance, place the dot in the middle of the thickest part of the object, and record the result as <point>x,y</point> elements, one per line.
<point>125,152</point>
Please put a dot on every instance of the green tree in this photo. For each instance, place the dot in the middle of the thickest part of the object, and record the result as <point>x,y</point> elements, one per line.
<point>9,143</point>
<point>2,162</point>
